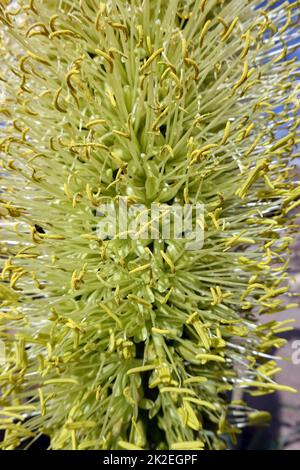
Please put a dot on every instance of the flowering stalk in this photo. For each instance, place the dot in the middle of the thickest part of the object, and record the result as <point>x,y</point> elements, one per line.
<point>136,344</point>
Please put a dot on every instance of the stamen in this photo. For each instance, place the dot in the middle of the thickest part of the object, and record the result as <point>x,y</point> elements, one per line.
<point>230,29</point>
<point>151,59</point>
<point>138,370</point>
<point>204,32</point>
<point>107,57</point>
<point>56,103</point>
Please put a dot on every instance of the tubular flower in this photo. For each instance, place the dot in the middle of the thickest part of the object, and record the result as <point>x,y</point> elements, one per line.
<point>138,343</point>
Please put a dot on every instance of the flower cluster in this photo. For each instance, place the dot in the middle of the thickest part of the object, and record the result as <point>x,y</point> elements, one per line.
<point>140,343</point>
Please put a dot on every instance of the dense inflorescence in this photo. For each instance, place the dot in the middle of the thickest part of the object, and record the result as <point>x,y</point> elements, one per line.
<point>135,343</point>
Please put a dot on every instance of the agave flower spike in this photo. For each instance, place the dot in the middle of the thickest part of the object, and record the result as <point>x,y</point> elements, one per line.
<point>130,342</point>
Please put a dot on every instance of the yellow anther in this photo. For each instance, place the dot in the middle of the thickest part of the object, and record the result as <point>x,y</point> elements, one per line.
<point>216,295</point>
<point>80,425</point>
<point>245,133</point>
<point>24,132</point>
<point>269,183</point>
<point>261,104</point>
<point>186,197</point>
<point>268,258</point>
<point>101,12</point>
<point>5,18</point>
<point>141,35</point>
<point>269,23</point>
<point>178,391</point>
<point>117,295</point>
<point>93,197</point>
<point>226,34</point>
<point>204,32</point>
<point>63,32</point>
<point>188,445</point>
<point>189,417</point>
<point>149,45</point>
<point>192,62</point>
<point>113,50</point>
<point>111,314</point>
<point>7,294</point>
<point>52,22</point>
<point>287,140</point>
<point>160,331</point>
<point>61,381</point>
<point>203,5</point>
<point>77,278</point>
<point>166,148</point>
<point>34,235</point>
<point>67,191</point>
<point>21,356</point>
<point>292,207</point>
<point>75,145</point>
<point>42,402</point>
<point>226,133</point>
<point>238,239</point>
<point>254,145</point>
<point>204,403</point>
<point>192,318</point>
<point>69,75</point>
<point>200,328</point>
<point>202,152</point>
<point>224,23</point>
<point>250,85</point>
<point>183,48</point>
<point>243,78</point>
<point>28,110</point>
<point>139,300</point>
<point>258,171</point>
<point>107,57</point>
<point>38,58</point>
<point>120,26</point>
<point>196,380</point>
<point>284,52</point>
<point>177,81</point>
<point>110,95</point>
<point>51,144</point>
<point>151,59</point>
<point>73,325</point>
<point>138,370</point>
<point>214,220</point>
<point>157,120</point>
<point>37,282</point>
<point>8,267</point>
<point>95,122</point>
<point>51,236</point>
<point>34,175</point>
<point>268,385</point>
<point>42,31</point>
<point>209,357</point>
<point>168,261</point>
<point>246,48</point>
<point>56,102</point>
<point>140,268</point>
<point>16,276</point>
<point>121,133</point>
